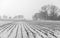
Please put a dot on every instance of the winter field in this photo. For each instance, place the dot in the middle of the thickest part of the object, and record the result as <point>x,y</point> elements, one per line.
<point>29,29</point>
<point>55,25</point>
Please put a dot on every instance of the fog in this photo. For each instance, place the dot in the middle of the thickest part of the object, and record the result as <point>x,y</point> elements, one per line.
<point>24,7</point>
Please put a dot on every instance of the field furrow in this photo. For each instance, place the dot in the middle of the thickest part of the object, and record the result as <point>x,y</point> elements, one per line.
<point>25,30</point>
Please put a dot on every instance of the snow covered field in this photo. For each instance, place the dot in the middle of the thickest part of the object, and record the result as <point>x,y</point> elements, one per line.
<point>26,30</point>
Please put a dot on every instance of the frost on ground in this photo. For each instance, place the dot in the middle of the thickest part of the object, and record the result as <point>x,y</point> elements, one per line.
<point>57,33</point>
<point>25,30</point>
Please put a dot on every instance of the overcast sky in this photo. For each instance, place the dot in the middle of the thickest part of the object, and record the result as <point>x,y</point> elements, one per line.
<point>24,7</point>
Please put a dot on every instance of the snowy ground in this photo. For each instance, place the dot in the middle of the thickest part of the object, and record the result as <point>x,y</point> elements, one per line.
<point>26,30</point>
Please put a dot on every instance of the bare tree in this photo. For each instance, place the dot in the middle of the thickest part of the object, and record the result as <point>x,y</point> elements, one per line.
<point>10,17</point>
<point>48,12</point>
<point>4,17</point>
<point>19,17</point>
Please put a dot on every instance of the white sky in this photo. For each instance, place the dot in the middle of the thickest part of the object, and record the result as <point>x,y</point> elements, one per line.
<point>24,7</point>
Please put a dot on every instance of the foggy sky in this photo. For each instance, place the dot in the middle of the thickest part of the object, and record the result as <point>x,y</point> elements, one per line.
<point>24,7</point>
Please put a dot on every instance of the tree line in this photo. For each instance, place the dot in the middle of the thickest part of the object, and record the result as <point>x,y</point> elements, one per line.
<point>48,12</point>
<point>17,17</point>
